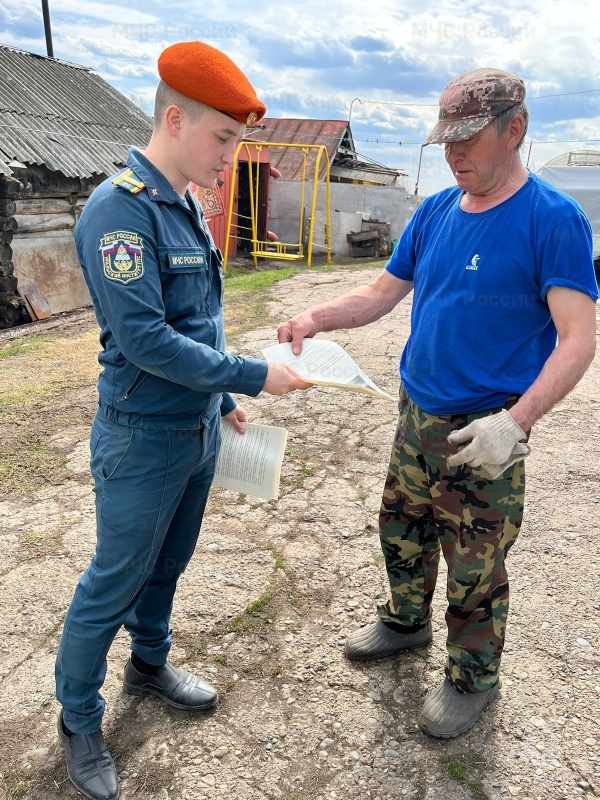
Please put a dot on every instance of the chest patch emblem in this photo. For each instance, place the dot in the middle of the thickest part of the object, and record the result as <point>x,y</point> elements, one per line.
<point>122,256</point>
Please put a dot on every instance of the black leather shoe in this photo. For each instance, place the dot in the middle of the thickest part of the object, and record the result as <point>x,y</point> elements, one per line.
<point>89,764</point>
<point>176,687</point>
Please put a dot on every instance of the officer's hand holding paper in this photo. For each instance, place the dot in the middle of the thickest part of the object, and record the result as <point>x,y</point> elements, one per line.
<point>325,363</point>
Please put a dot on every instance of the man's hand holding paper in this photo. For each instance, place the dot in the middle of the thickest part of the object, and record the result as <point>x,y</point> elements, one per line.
<point>295,330</point>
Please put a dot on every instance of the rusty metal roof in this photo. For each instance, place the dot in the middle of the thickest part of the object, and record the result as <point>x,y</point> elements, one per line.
<point>64,117</point>
<point>328,132</point>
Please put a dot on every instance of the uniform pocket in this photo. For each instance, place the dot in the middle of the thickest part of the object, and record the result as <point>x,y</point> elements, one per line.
<point>95,439</point>
<point>109,449</point>
<point>139,378</point>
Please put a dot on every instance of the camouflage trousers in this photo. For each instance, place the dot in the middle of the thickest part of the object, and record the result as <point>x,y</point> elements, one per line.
<point>428,507</point>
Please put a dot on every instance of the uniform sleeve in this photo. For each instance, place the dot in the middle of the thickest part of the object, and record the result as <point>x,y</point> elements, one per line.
<point>133,305</point>
<point>565,257</point>
<point>227,404</point>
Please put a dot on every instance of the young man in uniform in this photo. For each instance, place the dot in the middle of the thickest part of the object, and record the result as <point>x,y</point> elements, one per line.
<point>155,278</point>
<point>500,266</point>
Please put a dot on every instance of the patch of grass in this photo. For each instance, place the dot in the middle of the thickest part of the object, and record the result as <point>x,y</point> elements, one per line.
<point>369,564</point>
<point>279,562</point>
<point>36,544</point>
<point>20,346</point>
<point>456,770</point>
<point>255,279</point>
<point>380,424</point>
<point>246,298</point>
<point>26,395</point>
<point>30,538</point>
<point>255,668</point>
<point>235,622</point>
<point>251,618</point>
<point>56,627</point>
<point>261,603</point>
<point>32,466</point>
<point>201,649</point>
<point>459,772</point>
<point>295,602</point>
<point>46,365</point>
<point>18,783</point>
<point>479,792</point>
<point>305,471</point>
<point>150,779</point>
<point>221,658</point>
<point>227,689</point>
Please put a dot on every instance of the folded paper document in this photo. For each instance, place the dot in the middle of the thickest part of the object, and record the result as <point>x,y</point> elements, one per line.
<point>251,462</point>
<point>327,364</point>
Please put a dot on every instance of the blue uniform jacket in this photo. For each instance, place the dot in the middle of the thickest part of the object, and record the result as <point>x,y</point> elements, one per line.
<point>155,278</point>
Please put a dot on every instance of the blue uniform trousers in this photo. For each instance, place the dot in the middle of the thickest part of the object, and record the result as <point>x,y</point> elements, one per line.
<point>151,489</point>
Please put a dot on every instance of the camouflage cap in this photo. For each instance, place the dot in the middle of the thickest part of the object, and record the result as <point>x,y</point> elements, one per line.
<point>472,100</point>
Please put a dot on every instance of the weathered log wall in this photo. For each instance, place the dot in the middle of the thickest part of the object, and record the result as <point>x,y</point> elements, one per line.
<point>39,209</point>
<point>10,303</point>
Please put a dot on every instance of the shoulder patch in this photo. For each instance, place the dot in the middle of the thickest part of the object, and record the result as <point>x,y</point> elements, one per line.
<point>122,256</point>
<point>129,181</point>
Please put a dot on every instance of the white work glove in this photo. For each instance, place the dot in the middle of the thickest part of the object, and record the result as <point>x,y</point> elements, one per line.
<point>494,444</point>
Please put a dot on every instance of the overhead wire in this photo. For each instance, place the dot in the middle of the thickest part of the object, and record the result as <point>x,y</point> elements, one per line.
<point>336,138</point>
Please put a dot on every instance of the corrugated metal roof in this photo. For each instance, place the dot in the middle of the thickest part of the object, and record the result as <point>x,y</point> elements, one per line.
<point>328,132</point>
<point>365,174</point>
<point>64,117</point>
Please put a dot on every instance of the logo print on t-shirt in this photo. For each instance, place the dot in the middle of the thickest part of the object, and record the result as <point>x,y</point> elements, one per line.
<point>473,264</point>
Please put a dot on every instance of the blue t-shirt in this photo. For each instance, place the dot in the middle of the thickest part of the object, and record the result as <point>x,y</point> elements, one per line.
<point>480,326</point>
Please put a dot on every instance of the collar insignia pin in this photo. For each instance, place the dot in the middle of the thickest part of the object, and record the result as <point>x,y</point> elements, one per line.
<point>154,192</point>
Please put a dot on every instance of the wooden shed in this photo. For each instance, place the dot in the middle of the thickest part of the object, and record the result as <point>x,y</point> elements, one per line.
<point>63,130</point>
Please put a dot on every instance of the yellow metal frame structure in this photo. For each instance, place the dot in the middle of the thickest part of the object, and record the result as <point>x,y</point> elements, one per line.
<point>281,248</point>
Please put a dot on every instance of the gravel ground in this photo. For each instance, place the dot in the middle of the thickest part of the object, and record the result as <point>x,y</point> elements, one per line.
<point>274,588</point>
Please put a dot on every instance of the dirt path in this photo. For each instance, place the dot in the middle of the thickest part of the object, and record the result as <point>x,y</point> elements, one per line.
<point>272,591</point>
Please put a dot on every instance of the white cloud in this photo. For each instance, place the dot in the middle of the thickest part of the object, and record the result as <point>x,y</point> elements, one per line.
<point>106,12</point>
<point>311,59</point>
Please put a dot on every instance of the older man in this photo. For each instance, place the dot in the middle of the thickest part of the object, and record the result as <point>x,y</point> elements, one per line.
<point>155,278</point>
<point>501,268</point>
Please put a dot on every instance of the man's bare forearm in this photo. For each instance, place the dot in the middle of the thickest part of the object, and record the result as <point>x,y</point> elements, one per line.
<point>574,315</point>
<point>561,373</point>
<point>353,310</point>
<point>360,306</point>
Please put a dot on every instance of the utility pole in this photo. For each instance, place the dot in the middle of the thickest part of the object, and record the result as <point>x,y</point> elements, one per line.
<point>47,28</point>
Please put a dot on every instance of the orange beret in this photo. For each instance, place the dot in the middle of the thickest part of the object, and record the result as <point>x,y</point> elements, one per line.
<point>207,75</point>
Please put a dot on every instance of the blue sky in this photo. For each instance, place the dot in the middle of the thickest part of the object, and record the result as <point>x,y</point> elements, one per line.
<point>312,58</point>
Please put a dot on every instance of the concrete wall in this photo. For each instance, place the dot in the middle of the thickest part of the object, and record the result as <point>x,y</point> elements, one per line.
<point>348,202</point>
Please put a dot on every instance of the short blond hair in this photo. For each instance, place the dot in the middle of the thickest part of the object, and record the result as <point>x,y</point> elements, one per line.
<point>165,97</point>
